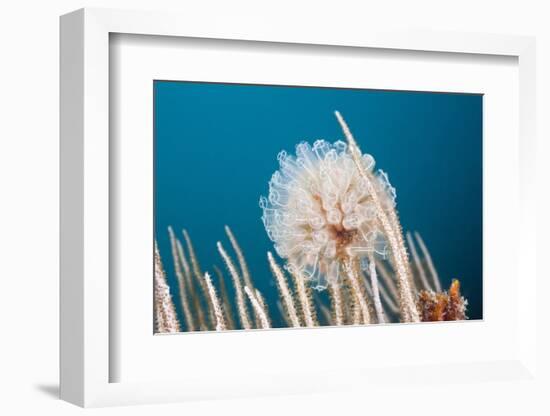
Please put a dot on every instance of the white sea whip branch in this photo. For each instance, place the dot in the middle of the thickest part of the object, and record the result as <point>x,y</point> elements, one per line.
<point>192,255</point>
<point>186,269</point>
<point>257,307</point>
<point>327,314</point>
<point>283,313</point>
<point>366,281</point>
<point>194,300</point>
<point>418,264</point>
<point>394,221</point>
<point>356,286</point>
<point>387,279</point>
<point>218,313</point>
<point>428,258</point>
<point>226,306</point>
<point>386,294</point>
<point>241,306</point>
<point>390,229</point>
<point>181,281</point>
<point>299,281</point>
<point>336,298</point>
<point>284,289</point>
<point>198,276</point>
<point>357,314</point>
<point>191,292</point>
<point>165,312</point>
<point>263,305</point>
<point>240,257</point>
<point>375,293</point>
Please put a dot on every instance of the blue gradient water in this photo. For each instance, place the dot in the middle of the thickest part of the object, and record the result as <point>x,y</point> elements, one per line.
<point>217,146</point>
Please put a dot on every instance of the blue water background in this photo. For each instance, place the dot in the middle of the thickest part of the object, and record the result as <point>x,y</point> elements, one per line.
<point>216,148</point>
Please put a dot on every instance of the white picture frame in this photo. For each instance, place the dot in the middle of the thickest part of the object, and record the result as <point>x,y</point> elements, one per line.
<point>87,355</point>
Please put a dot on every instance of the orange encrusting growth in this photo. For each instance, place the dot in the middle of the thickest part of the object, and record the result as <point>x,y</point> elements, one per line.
<point>442,306</point>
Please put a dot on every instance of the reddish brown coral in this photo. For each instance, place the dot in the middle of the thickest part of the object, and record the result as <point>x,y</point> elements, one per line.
<point>442,306</point>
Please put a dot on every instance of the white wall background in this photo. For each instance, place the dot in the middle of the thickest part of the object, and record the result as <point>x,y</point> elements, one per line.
<point>29,206</point>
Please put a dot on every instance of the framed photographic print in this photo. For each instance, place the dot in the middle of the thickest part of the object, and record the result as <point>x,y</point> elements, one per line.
<point>270,211</point>
<point>329,215</point>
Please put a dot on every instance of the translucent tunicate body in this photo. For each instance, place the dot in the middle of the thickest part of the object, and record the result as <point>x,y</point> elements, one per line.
<point>319,211</point>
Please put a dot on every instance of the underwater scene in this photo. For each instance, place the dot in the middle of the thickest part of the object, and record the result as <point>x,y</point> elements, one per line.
<point>289,206</point>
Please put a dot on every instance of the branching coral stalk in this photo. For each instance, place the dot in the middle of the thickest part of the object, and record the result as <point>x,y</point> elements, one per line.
<point>396,226</point>
<point>165,312</point>
<point>387,297</point>
<point>240,257</point>
<point>352,309</point>
<point>428,258</point>
<point>198,277</point>
<point>336,300</point>
<point>186,269</point>
<point>284,290</point>
<point>197,316</point>
<point>257,308</point>
<point>241,305</point>
<point>242,265</point>
<point>327,315</point>
<point>348,299</point>
<point>194,261</point>
<point>389,223</point>
<point>184,300</point>
<point>257,317</point>
<point>263,305</point>
<point>418,263</point>
<point>303,296</point>
<point>359,295</point>
<point>283,313</point>
<point>230,322</point>
<point>387,279</point>
<point>218,313</point>
<point>357,314</point>
<point>368,288</point>
<point>376,293</point>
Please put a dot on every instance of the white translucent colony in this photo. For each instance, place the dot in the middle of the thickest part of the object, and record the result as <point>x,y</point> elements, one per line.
<point>319,212</point>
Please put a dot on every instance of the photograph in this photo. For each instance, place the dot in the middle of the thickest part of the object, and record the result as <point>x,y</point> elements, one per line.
<point>291,206</point>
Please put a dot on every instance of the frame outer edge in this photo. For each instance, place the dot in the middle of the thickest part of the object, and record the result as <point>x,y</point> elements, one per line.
<point>96,186</point>
<point>72,208</point>
<point>527,308</point>
<point>84,176</point>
